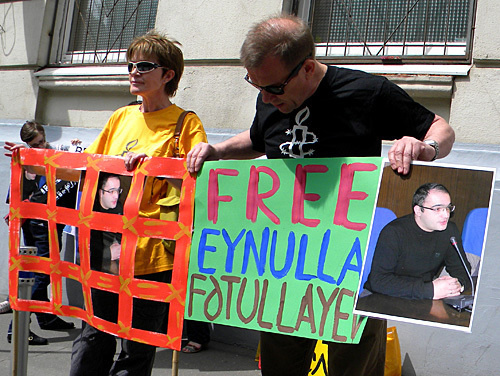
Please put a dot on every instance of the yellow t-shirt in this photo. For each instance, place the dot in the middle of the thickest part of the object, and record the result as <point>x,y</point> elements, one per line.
<point>152,133</point>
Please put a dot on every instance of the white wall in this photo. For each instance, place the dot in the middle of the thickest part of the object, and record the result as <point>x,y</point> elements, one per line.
<point>475,107</point>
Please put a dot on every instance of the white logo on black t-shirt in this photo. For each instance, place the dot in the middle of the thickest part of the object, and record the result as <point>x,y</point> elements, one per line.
<point>300,137</point>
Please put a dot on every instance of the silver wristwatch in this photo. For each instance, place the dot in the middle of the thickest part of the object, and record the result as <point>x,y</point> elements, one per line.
<point>435,145</point>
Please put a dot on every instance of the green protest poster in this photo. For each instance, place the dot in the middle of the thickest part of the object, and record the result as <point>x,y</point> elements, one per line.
<point>278,245</point>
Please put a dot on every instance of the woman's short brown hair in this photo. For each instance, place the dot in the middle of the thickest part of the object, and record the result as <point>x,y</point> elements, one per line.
<point>157,45</point>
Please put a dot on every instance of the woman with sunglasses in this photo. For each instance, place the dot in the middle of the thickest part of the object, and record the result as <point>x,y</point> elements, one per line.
<point>146,129</point>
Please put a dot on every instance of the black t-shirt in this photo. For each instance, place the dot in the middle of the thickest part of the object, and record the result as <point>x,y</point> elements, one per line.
<point>349,115</point>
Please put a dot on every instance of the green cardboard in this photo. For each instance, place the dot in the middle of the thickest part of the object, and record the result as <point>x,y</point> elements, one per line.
<point>278,245</point>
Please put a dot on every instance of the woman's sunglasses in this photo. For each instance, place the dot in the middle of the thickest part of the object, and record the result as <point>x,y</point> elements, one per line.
<point>142,66</point>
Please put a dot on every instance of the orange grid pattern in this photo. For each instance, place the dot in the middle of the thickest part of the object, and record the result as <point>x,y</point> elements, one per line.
<point>131,226</point>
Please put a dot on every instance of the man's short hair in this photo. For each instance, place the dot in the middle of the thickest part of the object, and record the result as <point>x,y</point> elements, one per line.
<point>285,36</point>
<point>30,130</point>
<point>154,44</point>
<point>103,178</point>
<point>423,191</point>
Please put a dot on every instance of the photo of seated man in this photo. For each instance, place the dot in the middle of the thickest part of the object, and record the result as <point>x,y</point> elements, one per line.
<point>105,246</point>
<point>412,250</point>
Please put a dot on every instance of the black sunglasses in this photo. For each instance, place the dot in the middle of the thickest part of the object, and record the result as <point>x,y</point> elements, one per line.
<point>278,89</point>
<point>142,66</point>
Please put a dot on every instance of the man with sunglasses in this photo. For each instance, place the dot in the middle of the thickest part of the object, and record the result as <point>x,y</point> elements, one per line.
<point>411,251</point>
<point>308,109</point>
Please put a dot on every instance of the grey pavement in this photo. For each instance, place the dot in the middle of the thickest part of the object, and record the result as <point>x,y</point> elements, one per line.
<point>221,357</point>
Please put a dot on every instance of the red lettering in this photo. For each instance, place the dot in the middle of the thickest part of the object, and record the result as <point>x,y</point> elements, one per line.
<point>255,199</point>
<point>300,195</point>
<point>346,194</point>
<point>213,192</point>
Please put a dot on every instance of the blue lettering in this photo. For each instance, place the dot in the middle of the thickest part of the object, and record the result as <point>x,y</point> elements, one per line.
<point>289,256</point>
<point>203,247</point>
<point>260,260</point>
<point>299,273</point>
<point>355,252</point>
<point>322,257</point>
<point>230,248</point>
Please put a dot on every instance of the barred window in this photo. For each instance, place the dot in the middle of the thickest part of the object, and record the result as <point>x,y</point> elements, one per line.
<point>101,30</point>
<point>405,28</point>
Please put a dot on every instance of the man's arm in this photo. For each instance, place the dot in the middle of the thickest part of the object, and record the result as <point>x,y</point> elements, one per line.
<point>237,147</point>
<point>409,149</point>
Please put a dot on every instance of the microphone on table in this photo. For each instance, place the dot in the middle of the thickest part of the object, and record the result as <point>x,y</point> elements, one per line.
<point>461,302</point>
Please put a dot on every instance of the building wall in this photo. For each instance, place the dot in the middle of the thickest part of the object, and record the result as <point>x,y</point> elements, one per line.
<point>211,33</point>
<point>475,107</point>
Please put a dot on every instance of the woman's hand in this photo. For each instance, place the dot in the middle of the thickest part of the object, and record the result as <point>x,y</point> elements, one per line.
<point>132,159</point>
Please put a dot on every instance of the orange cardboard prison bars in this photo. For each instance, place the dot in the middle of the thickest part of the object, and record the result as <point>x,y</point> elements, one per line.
<point>131,225</point>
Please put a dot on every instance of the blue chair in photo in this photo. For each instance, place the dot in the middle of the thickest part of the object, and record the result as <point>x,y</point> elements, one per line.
<point>381,218</point>
<point>474,230</point>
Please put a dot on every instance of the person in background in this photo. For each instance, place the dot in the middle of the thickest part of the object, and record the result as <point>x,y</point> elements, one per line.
<point>35,232</point>
<point>155,66</point>
<point>308,109</point>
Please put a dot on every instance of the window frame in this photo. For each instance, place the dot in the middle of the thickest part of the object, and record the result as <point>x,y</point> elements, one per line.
<point>60,56</point>
<point>304,9</point>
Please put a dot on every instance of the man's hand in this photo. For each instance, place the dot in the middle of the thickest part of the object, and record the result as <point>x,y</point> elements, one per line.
<point>445,287</point>
<point>404,151</point>
<point>409,149</point>
<point>198,154</point>
<point>236,147</point>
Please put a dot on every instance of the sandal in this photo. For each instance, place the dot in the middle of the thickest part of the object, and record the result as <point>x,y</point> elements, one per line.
<point>192,347</point>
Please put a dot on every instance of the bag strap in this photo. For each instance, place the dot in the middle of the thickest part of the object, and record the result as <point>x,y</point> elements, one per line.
<point>178,130</point>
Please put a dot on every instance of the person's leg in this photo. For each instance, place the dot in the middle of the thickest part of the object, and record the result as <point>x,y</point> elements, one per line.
<point>137,359</point>
<point>285,355</point>
<point>92,353</point>
<point>198,335</point>
<point>40,236</point>
<point>27,236</point>
<point>364,359</point>
<point>198,331</point>
<point>39,232</point>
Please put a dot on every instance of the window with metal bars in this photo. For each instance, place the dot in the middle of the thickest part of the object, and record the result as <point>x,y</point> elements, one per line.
<point>410,29</point>
<point>101,30</point>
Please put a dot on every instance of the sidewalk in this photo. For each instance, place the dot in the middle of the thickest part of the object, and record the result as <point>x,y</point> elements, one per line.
<point>54,359</point>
